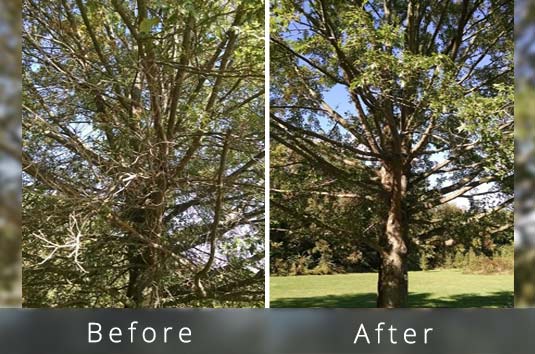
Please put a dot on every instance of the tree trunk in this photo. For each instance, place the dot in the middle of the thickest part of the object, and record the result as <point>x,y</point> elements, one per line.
<point>392,287</point>
<point>145,260</point>
<point>140,291</point>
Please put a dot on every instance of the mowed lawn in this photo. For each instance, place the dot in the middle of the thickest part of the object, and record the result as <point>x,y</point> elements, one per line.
<point>437,288</point>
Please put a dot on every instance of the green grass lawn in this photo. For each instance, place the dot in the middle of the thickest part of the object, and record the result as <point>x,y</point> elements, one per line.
<point>437,288</point>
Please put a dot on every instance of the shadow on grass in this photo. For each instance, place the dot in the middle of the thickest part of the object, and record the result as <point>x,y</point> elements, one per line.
<point>417,300</point>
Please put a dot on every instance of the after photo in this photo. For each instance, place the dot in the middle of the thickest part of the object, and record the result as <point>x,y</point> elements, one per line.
<point>392,153</point>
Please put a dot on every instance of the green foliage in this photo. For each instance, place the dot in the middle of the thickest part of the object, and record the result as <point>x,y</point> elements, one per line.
<point>146,25</point>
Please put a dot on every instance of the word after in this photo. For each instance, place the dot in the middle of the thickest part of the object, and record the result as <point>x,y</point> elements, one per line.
<point>394,336</point>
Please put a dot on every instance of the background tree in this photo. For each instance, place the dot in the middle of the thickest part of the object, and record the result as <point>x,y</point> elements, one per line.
<point>425,96</point>
<point>143,136</point>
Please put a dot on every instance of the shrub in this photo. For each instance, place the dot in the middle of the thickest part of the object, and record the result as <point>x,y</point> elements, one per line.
<point>300,265</point>
<point>501,262</point>
<point>424,261</point>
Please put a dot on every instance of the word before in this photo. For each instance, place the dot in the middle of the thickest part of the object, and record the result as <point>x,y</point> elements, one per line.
<point>409,334</point>
<point>95,334</point>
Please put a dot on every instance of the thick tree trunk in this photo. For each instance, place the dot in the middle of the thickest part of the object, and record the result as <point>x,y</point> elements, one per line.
<point>392,287</point>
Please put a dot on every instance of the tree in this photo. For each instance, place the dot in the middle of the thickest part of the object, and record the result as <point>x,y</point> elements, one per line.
<point>143,141</point>
<point>430,92</point>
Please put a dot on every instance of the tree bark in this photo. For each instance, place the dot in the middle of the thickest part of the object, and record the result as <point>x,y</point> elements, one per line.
<point>392,287</point>
<point>143,277</point>
<point>145,262</point>
<point>393,282</point>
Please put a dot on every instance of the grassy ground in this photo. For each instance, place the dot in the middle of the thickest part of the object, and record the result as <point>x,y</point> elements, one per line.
<point>438,288</point>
